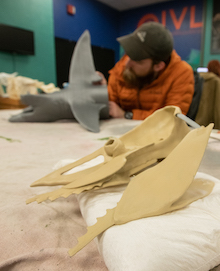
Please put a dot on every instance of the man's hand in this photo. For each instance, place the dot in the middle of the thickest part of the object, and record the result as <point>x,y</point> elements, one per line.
<point>102,80</point>
<point>115,111</point>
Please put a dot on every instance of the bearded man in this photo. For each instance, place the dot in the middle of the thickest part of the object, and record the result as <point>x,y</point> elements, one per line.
<point>149,76</point>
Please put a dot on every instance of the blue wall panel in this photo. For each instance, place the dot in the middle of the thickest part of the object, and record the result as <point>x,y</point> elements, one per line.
<point>101,21</point>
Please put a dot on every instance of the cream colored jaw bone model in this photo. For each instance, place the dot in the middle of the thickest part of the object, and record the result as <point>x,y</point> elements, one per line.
<point>168,186</point>
<point>133,152</point>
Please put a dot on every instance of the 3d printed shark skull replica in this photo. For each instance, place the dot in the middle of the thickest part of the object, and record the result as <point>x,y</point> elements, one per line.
<point>123,157</point>
<point>155,190</point>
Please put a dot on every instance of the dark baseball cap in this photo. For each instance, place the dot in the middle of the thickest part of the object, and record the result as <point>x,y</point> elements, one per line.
<point>150,40</point>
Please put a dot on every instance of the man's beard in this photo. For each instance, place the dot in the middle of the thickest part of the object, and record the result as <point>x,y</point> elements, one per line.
<point>136,81</point>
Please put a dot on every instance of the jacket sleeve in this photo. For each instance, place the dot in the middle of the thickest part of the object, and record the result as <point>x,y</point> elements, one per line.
<point>113,88</point>
<point>181,91</point>
<point>114,80</point>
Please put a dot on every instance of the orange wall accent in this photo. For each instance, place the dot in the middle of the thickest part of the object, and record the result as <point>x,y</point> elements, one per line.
<point>193,24</point>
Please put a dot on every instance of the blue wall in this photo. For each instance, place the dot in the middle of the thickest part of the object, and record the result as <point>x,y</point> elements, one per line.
<point>184,19</point>
<point>101,21</point>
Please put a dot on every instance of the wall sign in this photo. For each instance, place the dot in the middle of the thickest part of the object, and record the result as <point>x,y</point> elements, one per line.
<point>215,39</point>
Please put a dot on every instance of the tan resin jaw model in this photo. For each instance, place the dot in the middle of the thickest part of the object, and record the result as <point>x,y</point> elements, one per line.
<point>166,187</point>
<point>128,155</point>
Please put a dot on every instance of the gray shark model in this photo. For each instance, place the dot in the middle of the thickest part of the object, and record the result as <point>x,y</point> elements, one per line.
<point>82,100</point>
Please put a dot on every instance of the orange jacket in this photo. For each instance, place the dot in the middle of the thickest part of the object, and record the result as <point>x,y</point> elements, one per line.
<point>175,86</point>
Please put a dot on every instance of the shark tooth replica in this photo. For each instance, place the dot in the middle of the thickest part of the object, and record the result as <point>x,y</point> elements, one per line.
<point>124,157</point>
<point>81,100</point>
<point>161,189</point>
